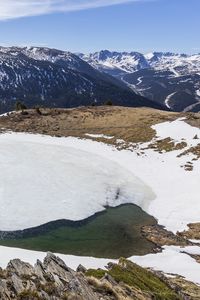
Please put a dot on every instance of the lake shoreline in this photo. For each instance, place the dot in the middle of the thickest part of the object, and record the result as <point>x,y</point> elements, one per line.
<point>113,229</point>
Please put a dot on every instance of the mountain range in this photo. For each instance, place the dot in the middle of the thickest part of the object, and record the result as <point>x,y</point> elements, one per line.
<point>167,78</point>
<point>55,78</point>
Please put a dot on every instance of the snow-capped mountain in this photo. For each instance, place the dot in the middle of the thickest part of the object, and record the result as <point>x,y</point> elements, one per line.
<point>180,64</point>
<point>116,63</point>
<point>51,77</point>
<point>167,78</point>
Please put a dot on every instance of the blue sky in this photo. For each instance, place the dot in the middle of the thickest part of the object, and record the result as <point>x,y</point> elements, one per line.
<point>91,25</point>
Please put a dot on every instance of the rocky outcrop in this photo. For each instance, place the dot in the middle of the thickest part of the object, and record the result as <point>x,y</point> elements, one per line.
<point>162,237</point>
<point>53,280</point>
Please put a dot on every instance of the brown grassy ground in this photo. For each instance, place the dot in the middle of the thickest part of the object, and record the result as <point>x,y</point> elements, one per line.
<point>129,124</point>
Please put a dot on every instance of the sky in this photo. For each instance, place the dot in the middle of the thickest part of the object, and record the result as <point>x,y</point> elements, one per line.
<point>93,25</point>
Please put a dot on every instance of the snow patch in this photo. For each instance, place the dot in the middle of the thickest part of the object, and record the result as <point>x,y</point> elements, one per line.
<point>99,136</point>
<point>167,100</point>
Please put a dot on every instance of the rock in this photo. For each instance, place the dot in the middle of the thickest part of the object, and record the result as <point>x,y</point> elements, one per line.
<point>110,279</point>
<point>17,284</point>
<point>81,269</point>
<point>20,268</point>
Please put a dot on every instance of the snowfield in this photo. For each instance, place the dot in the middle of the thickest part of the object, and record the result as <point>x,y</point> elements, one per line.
<point>45,178</point>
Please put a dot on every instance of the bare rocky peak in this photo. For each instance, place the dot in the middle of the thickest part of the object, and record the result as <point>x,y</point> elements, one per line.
<point>51,279</point>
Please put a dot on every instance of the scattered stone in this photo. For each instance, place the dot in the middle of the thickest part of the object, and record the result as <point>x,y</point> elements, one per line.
<point>193,232</point>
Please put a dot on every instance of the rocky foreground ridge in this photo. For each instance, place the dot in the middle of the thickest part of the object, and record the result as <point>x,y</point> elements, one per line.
<point>52,279</point>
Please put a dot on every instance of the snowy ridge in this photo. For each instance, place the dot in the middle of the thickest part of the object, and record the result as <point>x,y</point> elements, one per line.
<point>179,64</point>
<point>129,62</point>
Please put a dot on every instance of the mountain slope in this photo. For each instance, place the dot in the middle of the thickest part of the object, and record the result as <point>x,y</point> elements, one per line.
<point>176,92</point>
<point>167,78</point>
<point>55,78</point>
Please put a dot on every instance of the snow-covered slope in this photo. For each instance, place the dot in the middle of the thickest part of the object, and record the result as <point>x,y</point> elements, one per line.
<point>157,76</point>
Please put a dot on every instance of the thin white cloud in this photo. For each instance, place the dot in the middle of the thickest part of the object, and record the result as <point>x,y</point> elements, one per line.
<point>10,9</point>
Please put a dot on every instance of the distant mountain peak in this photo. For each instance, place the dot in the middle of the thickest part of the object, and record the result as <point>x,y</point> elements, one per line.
<point>116,61</point>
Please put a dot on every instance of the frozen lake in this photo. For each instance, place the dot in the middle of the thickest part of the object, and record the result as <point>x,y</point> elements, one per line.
<point>44,179</point>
